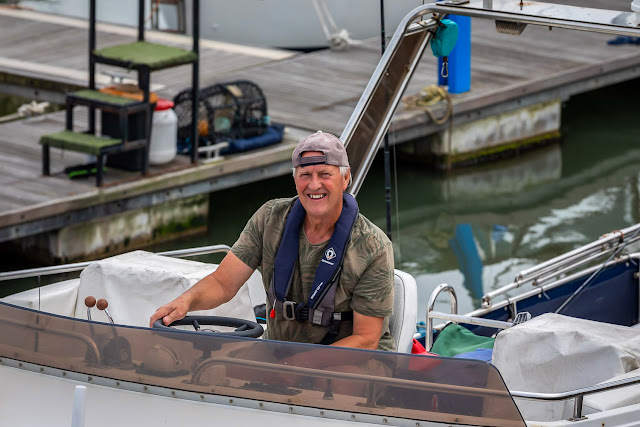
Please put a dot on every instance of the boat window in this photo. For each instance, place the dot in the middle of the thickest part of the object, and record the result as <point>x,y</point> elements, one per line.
<point>357,381</point>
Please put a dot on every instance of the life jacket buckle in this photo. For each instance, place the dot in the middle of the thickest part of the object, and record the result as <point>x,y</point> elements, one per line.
<point>289,310</point>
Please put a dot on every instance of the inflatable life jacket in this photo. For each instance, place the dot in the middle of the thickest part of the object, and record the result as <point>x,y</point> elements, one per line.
<point>319,309</point>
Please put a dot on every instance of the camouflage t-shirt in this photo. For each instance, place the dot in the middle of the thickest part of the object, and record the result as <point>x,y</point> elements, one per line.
<point>366,283</point>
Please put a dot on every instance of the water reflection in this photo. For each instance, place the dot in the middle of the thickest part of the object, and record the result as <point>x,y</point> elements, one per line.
<point>477,228</point>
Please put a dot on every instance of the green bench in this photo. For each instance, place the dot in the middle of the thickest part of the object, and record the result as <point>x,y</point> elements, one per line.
<point>99,146</point>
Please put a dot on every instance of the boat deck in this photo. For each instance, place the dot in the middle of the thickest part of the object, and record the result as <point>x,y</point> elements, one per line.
<point>306,92</point>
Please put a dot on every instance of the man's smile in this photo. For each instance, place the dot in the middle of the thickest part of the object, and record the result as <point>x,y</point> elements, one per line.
<point>316,196</point>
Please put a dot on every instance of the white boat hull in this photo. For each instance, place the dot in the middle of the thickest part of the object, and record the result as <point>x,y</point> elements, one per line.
<point>290,24</point>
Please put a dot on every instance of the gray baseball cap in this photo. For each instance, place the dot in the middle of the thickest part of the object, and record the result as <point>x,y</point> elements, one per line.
<point>331,147</point>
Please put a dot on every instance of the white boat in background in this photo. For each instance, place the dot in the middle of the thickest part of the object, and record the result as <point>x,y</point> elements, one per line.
<point>288,24</point>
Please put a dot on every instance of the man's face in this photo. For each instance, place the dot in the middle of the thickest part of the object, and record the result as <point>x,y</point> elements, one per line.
<point>320,188</point>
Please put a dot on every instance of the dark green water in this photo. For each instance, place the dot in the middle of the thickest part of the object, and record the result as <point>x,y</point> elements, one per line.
<point>476,228</point>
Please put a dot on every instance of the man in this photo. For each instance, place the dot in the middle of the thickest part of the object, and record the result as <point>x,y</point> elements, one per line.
<point>327,270</point>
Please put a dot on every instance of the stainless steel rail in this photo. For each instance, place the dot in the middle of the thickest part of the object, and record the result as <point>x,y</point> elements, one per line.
<point>565,262</point>
<point>432,301</point>
<point>542,289</point>
<point>372,116</point>
<point>578,394</point>
<point>66,268</point>
<point>470,320</point>
<point>322,373</point>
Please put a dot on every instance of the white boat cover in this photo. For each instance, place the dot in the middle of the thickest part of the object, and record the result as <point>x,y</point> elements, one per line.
<point>57,298</point>
<point>617,398</point>
<point>135,284</point>
<point>555,353</point>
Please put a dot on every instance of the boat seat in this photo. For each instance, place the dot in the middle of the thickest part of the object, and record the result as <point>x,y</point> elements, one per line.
<point>402,323</point>
<point>135,284</point>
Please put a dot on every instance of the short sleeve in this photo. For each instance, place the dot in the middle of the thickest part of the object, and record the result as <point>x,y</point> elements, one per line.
<point>373,293</point>
<point>248,247</point>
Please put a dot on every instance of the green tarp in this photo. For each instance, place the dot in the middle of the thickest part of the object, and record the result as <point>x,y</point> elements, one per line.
<point>455,339</point>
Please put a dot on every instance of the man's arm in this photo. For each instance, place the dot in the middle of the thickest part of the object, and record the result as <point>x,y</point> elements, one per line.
<point>215,289</point>
<point>366,332</point>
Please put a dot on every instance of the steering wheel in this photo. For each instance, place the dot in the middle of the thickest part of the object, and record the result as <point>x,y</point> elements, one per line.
<point>244,328</point>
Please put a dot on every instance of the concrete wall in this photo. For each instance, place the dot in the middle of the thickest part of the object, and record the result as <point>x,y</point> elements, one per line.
<point>118,233</point>
<point>489,137</point>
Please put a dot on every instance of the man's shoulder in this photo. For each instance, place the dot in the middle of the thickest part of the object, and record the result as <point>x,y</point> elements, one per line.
<point>275,208</point>
<point>366,233</point>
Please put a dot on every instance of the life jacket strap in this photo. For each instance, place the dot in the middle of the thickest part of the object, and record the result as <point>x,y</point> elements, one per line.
<point>334,327</point>
<point>291,310</point>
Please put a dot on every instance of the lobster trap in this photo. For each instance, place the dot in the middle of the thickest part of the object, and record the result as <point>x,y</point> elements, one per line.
<point>226,111</point>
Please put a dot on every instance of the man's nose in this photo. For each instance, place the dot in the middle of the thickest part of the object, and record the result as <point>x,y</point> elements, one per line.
<point>315,182</point>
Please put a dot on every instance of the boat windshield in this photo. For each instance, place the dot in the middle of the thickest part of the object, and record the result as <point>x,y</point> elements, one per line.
<point>406,386</point>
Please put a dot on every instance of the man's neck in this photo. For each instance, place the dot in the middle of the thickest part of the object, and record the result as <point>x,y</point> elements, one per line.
<point>319,230</point>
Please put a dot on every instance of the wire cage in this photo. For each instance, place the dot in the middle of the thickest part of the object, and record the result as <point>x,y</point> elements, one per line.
<point>227,111</point>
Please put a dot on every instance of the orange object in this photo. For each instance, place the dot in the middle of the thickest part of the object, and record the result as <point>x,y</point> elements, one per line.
<point>90,301</point>
<point>102,304</point>
<point>203,127</point>
<point>129,90</point>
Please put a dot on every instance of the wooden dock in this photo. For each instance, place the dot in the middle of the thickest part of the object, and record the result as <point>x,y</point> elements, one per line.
<point>306,92</point>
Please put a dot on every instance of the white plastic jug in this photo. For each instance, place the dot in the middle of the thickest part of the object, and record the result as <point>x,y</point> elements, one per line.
<point>164,133</point>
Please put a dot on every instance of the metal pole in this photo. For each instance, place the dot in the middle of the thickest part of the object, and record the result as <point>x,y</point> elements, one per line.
<point>141,20</point>
<point>195,78</point>
<point>79,406</point>
<point>92,63</point>
<point>387,166</point>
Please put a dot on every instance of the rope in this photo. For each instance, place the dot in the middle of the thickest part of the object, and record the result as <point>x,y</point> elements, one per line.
<point>154,8</point>
<point>26,110</point>
<point>428,96</point>
<point>337,38</point>
<point>397,194</point>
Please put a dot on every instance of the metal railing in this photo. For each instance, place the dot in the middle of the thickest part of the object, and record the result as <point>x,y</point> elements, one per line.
<point>66,268</point>
<point>550,269</point>
<point>432,301</point>
<point>578,394</point>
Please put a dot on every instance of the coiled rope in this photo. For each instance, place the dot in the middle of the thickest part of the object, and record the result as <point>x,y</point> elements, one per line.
<point>428,96</point>
<point>432,95</point>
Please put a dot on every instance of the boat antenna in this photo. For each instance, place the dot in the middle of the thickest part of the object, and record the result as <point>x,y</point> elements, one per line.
<point>387,168</point>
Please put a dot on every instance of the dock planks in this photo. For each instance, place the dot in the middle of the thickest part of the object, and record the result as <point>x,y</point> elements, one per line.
<point>304,91</point>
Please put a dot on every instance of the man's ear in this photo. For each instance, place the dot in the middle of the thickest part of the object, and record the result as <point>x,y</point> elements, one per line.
<point>347,180</point>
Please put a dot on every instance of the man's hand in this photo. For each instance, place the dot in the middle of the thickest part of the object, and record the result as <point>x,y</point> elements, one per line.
<point>215,289</point>
<point>175,310</point>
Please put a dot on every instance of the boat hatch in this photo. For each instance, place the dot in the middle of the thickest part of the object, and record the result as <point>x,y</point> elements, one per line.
<point>358,381</point>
